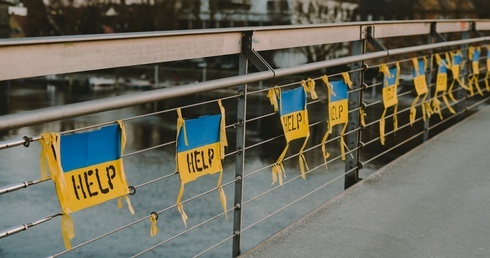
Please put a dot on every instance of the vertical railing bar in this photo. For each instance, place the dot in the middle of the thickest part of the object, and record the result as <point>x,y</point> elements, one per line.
<point>355,102</point>
<point>429,76</point>
<point>240,157</point>
<point>463,73</point>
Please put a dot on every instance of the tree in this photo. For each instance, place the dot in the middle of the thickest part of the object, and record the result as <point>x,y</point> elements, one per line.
<point>317,12</point>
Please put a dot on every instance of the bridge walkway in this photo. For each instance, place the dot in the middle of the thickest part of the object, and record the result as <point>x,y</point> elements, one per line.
<point>431,202</point>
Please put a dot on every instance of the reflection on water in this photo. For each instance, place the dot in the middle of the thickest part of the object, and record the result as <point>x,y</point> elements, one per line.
<point>27,205</point>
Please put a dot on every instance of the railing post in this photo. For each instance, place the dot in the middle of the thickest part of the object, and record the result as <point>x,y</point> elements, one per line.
<point>429,78</point>
<point>461,93</point>
<point>353,135</point>
<point>240,156</point>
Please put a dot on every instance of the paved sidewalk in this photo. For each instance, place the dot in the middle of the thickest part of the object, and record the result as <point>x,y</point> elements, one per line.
<point>432,202</point>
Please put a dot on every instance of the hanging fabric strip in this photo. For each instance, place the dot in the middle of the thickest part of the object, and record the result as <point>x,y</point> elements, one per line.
<point>309,87</point>
<point>273,94</point>
<point>180,206</point>
<point>330,93</point>
<point>153,222</point>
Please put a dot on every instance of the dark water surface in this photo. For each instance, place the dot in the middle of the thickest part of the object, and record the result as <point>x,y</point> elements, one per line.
<point>20,164</point>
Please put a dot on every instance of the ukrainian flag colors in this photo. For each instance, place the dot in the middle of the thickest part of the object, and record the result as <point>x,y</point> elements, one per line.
<point>200,149</point>
<point>87,170</point>
<point>390,97</point>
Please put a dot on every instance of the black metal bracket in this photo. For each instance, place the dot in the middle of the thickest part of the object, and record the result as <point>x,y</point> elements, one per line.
<point>253,55</point>
<point>435,34</point>
<point>476,32</point>
<point>373,41</point>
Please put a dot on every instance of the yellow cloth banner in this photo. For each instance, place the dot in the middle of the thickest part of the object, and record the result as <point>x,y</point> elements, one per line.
<point>456,65</point>
<point>201,146</point>
<point>87,170</point>
<point>420,83</point>
<point>291,105</point>
<point>338,111</point>
<point>474,55</point>
<point>390,97</point>
<point>441,84</point>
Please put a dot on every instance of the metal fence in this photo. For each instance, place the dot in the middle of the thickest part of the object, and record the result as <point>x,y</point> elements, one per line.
<point>256,208</point>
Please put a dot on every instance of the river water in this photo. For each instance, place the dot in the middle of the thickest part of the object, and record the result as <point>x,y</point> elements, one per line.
<point>20,164</point>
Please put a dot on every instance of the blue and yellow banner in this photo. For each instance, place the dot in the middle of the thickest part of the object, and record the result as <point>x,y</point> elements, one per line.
<point>338,110</point>
<point>294,116</point>
<point>87,170</point>
<point>474,54</point>
<point>420,83</point>
<point>443,64</point>
<point>201,146</point>
<point>291,105</point>
<point>391,78</point>
<point>455,67</point>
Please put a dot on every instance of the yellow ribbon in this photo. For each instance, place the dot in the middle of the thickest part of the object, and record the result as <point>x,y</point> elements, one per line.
<point>153,228</point>
<point>222,195</point>
<point>67,230</point>
<point>51,150</point>
<point>223,139</point>
<point>273,94</point>
<point>180,206</point>
<point>309,86</point>
<point>123,145</point>
<point>278,169</point>
<point>347,80</point>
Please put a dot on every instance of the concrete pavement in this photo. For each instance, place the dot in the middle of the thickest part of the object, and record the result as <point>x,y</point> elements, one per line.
<point>432,202</point>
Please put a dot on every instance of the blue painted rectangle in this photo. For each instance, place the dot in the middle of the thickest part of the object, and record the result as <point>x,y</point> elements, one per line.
<point>85,149</point>
<point>442,69</point>
<point>476,55</point>
<point>392,80</point>
<point>421,65</point>
<point>200,131</point>
<point>292,101</point>
<point>457,59</point>
<point>339,89</point>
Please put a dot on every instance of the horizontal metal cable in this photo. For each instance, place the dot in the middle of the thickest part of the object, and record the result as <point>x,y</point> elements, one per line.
<point>394,147</point>
<point>155,180</point>
<point>178,235</point>
<point>143,219</point>
<point>24,227</point>
<point>216,245</point>
<point>299,199</point>
<point>15,187</point>
<point>392,132</point>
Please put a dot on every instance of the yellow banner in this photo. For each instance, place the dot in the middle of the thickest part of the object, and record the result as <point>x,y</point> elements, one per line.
<point>441,82</point>
<point>390,97</point>
<point>93,185</point>
<point>204,160</point>
<point>295,125</point>
<point>420,85</point>
<point>338,112</point>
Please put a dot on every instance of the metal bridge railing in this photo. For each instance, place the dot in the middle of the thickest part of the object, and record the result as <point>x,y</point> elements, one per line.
<point>256,209</point>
